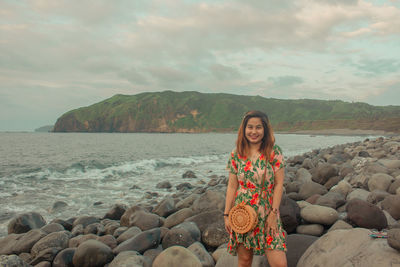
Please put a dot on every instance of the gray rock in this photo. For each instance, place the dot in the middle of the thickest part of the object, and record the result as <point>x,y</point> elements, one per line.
<point>178,217</point>
<point>290,214</point>
<point>187,202</point>
<point>359,180</point>
<point>58,240</point>
<point>165,207</point>
<point>319,214</point>
<point>366,215</point>
<point>13,261</point>
<point>323,172</point>
<point>340,224</point>
<point>208,201</point>
<point>116,212</point>
<point>310,229</point>
<point>394,238</point>
<point>377,196</point>
<point>128,259</point>
<point>143,241</point>
<point>131,232</point>
<point>380,181</point>
<point>7,243</point>
<point>184,186</point>
<point>151,254</point>
<point>94,228</point>
<point>92,253</point>
<point>390,163</point>
<point>52,227</point>
<point>111,228</point>
<point>358,194</point>
<point>47,254</point>
<point>342,187</point>
<point>202,220</point>
<point>345,170</point>
<point>303,175</point>
<point>58,206</point>
<point>66,224</point>
<point>108,240</point>
<point>189,174</point>
<point>64,258</point>
<point>183,235</point>
<point>392,205</point>
<point>311,188</point>
<point>356,249</point>
<point>77,230</point>
<point>297,244</point>
<point>332,182</point>
<point>77,240</point>
<point>137,216</point>
<point>331,199</point>
<point>308,164</point>
<point>205,258</point>
<point>85,221</point>
<point>176,256</point>
<point>393,186</point>
<point>164,184</point>
<point>293,187</point>
<point>26,242</point>
<point>215,234</point>
<point>25,222</point>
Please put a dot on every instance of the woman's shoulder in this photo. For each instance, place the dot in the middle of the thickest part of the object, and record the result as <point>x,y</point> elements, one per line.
<point>277,149</point>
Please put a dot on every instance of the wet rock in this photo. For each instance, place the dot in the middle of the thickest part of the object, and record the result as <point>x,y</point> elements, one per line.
<point>293,187</point>
<point>26,242</point>
<point>143,241</point>
<point>25,222</point>
<point>178,217</point>
<point>202,220</point>
<point>184,186</point>
<point>151,254</point>
<point>57,240</point>
<point>165,207</point>
<point>119,231</point>
<point>64,258</point>
<point>392,205</point>
<point>176,256</point>
<point>92,253</point>
<point>183,235</point>
<point>319,214</point>
<point>308,164</point>
<point>116,212</point>
<point>366,215</point>
<point>131,232</point>
<point>189,174</point>
<point>111,228</point>
<point>58,206</point>
<point>164,184</point>
<point>199,250</point>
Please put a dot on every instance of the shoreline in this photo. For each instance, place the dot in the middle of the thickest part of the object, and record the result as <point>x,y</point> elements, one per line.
<point>343,132</point>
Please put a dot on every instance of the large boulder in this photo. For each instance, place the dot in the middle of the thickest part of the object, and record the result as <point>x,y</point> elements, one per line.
<point>290,214</point>
<point>331,199</point>
<point>319,214</point>
<point>8,243</point>
<point>303,175</point>
<point>64,258</point>
<point>25,222</point>
<point>311,188</point>
<point>310,229</point>
<point>380,181</point>
<point>116,212</point>
<point>178,217</point>
<point>137,216</point>
<point>394,238</point>
<point>323,172</point>
<point>358,193</point>
<point>183,234</point>
<point>393,187</point>
<point>392,205</point>
<point>208,201</point>
<point>205,258</point>
<point>57,240</point>
<point>176,256</point>
<point>390,163</point>
<point>356,249</point>
<point>131,232</point>
<point>215,234</point>
<point>165,207</point>
<point>128,259</point>
<point>297,244</point>
<point>141,242</point>
<point>26,242</point>
<point>92,253</point>
<point>187,202</point>
<point>365,215</point>
<point>204,219</point>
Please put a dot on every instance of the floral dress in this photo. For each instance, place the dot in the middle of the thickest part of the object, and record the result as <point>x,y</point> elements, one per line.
<point>249,175</point>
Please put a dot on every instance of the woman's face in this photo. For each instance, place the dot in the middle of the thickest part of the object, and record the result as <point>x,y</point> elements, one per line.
<point>254,131</point>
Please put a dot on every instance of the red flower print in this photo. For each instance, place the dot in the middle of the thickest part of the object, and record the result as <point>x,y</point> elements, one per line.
<point>248,166</point>
<point>277,164</point>
<point>262,157</point>
<point>270,186</point>
<point>272,156</point>
<point>284,245</point>
<point>243,158</point>
<point>256,231</point>
<point>250,185</point>
<point>283,233</point>
<point>234,165</point>
<point>270,200</point>
<point>253,201</point>
<point>241,183</point>
<point>269,240</point>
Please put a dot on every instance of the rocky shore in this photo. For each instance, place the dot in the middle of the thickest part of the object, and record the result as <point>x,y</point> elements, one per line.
<point>333,200</point>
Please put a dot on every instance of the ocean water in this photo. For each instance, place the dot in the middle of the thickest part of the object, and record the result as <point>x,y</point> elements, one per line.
<point>80,169</point>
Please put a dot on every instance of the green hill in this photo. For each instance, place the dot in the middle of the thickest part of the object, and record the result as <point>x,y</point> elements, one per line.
<point>199,112</point>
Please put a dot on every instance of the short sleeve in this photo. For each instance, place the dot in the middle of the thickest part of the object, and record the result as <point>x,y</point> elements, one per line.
<point>277,160</point>
<point>232,163</point>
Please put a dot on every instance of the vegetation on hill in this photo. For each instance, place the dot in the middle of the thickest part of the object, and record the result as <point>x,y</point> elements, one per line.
<point>170,111</point>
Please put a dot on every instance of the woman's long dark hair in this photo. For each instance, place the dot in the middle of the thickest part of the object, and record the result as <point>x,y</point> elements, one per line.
<point>268,141</point>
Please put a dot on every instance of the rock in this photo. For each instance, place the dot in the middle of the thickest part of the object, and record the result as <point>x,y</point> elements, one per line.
<point>108,240</point>
<point>365,215</point>
<point>183,235</point>
<point>8,242</point>
<point>311,188</point>
<point>359,180</point>
<point>164,184</point>
<point>13,261</point>
<point>377,196</point>
<point>131,232</point>
<point>58,206</point>
<point>392,223</point>
<point>26,242</point>
<point>94,228</point>
<point>178,217</point>
<point>215,234</point>
<point>151,254</point>
<point>187,202</point>
<point>290,214</point>
<point>85,221</point>
<point>111,228</point>
<point>76,241</point>
<point>364,154</point>
<point>393,187</point>
<point>319,214</point>
<point>345,169</point>
<point>184,186</point>
<point>390,163</point>
<point>392,205</point>
<point>64,258</point>
<point>340,224</point>
<point>323,172</point>
<point>176,256</point>
<point>58,240</point>
<point>310,229</point>
<point>47,254</point>
<point>205,258</point>
<point>308,164</point>
<point>294,196</point>
<point>137,216</point>
<point>77,230</point>
<point>43,264</point>
<point>202,220</point>
<point>189,174</point>
<point>293,187</point>
<point>394,238</point>
<point>356,249</point>
<point>297,244</point>
<point>116,212</point>
<point>227,260</point>
<point>331,199</point>
<point>26,257</point>
<point>67,225</point>
<point>119,231</point>
<point>332,182</point>
<point>342,187</point>
<point>128,259</point>
<point>92,253</point>
<point>380,181</point>
<point>375,167</point>
<point>313,199</point>
<point>213,182</point>
<point>165,207</point>
<point>358,194</point>
<point>25,222</point>
<point>208,201</point>
<point>52,227</point>
<point>143,241</point>
<point>303,175</point>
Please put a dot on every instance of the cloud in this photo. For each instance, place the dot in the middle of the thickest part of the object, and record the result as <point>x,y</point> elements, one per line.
<point>285,81</point>
<point>378,66</point>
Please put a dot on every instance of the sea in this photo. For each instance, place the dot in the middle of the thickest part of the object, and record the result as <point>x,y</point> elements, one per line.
<point>90,172</point>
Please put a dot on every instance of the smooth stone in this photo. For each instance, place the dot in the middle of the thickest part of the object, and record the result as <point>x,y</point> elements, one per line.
<point>394,238</point>
<point>392,223</point>
<point>116,212</point>
<point>58,240</point>
<point>13,261</point>
<point>356,248</point>
<point>77,230</point>
<point>199,250</point>
<point>25,222</point>
<point>189,174</point>
<point>58,206</point>
<point>390,163</point>
<point>165,207</point>
<point>290,214</point>
<point>377,196</point>
<point>64,258</point>
<point>358,180</point>
<point>47,254</point>
<point>131,232</point>
<point>8,242</point>
<point>215,234</point>
<point>151,254</point>
<point>332,182</point>
<point>183,234</point>
<point>111,228</point>
<point>77,240</point>
<point>27,241</point>
<point>187,202</point>
<point>297,244</point>
<point>176,256</point>
<point>340,224</point>
<point>184,186</point>
<point>319,214</point>
<point>204,219</point>
<point>66,224</point>
<point>108,240</point>
<point>137,216</point>
<point>164,184</point>
<point>331,199</point>
<point>311,188</point>
<point>392,205</point>
<point>310,229</point>
<point>143,241</point>
<point>85,221</point>
<point>380,181</point>
<point>313,199</point>
<point>128,259</point>
<point>365,215</point>
<point>293,187</point>
<point>345,169</point>
<point>208,201</point>
<point>178,217</point>
<point>43,264</point>
<point>308,164</point>
<point>303,175</point>
<point>52,227</point>
<point>94,228</point>
<point>343,187</point>
<point>358,194</point>
<point>323,172</point>
<point>394,186</point>
<point>92,253</point>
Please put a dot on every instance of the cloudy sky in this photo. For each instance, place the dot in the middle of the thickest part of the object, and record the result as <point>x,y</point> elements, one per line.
<point>57,55</point>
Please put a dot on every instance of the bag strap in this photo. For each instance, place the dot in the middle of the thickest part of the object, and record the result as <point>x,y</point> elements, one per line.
<point>264,177</point>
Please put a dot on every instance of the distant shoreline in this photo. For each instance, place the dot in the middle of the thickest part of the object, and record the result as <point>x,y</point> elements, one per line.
<point>346,132</point>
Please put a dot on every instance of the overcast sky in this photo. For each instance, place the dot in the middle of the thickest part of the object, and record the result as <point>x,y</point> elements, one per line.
<point>58,55</point>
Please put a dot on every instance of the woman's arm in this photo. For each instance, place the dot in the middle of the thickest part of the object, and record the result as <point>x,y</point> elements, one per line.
<point>230,198</point>
<point>272,219</point>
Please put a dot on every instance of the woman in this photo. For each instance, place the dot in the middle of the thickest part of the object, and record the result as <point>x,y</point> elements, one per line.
<point>255,151</point>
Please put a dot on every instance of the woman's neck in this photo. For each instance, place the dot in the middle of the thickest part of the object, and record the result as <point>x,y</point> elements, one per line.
<point>254,149</point>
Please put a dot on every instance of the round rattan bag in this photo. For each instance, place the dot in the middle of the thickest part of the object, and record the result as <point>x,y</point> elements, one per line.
<point>242,218</point>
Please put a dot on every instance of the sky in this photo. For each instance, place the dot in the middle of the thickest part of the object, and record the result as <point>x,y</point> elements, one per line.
<point>60,55</point>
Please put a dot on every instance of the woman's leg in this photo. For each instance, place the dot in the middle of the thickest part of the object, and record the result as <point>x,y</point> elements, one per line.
<point>276,258</point>
<point>245,256</point>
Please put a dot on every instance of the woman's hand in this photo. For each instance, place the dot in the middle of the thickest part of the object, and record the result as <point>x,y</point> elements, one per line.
<point>271,225</point>
<point>227,225</point>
